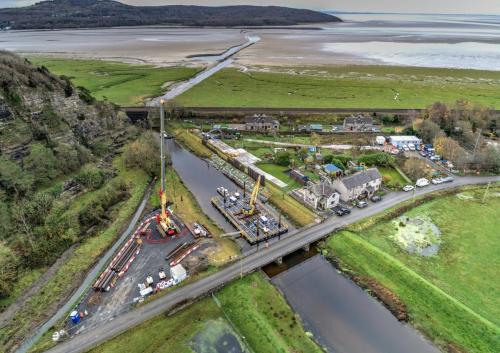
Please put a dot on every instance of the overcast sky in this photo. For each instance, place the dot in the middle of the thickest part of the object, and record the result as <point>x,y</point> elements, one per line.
<point>425,6</point>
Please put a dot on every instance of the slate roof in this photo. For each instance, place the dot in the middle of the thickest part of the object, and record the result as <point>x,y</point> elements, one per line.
<point>361,178</point>
<point>359,120</point>
<point>323,189</point>
<point>260,119</point>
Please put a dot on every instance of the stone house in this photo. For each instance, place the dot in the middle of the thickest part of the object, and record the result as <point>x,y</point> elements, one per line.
<point>360,185</point>
<point>321,196</point>
<point>262,123</point>
<point>358,123</point>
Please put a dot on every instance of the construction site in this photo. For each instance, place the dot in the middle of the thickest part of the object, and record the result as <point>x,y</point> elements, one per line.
<point>162,252</point>
<point>248,214</point>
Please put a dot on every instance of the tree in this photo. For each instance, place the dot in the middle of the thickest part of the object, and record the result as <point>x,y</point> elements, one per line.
<point>144,153</point>
<point>415,168</point>
<point>13,179</point>
<point>428,130</point>
<point>9,264</point>
<point>42,163</point>
<point>68,158</point>
<point>282,158</point>
<point>302,154</point>
<point>5,220</point>
<point>91,177</point>
<point>378,159</point>
<point>451,150</point>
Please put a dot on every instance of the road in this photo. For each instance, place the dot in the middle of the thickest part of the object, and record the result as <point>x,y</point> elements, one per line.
<point>247,264</point>
<point>225,61</point>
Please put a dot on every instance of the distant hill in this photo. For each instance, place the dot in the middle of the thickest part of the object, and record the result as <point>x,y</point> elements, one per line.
<point>55,14</point>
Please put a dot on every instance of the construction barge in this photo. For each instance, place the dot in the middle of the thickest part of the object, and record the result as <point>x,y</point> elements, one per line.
<point>250,217</point>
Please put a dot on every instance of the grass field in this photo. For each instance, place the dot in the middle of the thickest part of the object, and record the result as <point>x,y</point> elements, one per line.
<point>73,270</point>
<point>345,87</point>
<point>252,305</point>
<point>453,296</point>
<point>122,84</point>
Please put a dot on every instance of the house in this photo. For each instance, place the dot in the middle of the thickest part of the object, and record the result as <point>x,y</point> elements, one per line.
<point>261,123</point>
<point>321,196</point>
<point>400,141</point>
<point>358,123</point>
<point>360,185</point>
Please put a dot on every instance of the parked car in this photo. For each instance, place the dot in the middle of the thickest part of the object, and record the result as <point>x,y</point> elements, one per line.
<point>341,211</point>
<point>448,179</point>
<point>422,182</point>
<point>435,157</point>
<point>411,146</point>
<point>362,204</point>
<point>408,188</point>
<point>423,153</point>
<point>376,198</point>
<point>436,181</point>
<point>406,148</point>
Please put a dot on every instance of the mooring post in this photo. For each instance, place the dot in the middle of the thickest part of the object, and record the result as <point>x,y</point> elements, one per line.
<point>279,261</point>
<point>307,247</point>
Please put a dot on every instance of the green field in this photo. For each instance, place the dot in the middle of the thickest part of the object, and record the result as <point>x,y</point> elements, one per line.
<point>252,306</point>
<point>452,296</point>
<point>122,84</point>
<point>346,87</point>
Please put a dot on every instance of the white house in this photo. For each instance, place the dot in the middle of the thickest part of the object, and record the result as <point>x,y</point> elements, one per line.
<point>400,141</point>
<point>321,196</point>
<point>359,185</point>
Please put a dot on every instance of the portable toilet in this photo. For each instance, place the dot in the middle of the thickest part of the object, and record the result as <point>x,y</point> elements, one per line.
<point>75,317</point>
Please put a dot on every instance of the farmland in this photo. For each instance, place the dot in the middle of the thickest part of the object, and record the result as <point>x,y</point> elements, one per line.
<point>452,296</point>
<point>344,87</point>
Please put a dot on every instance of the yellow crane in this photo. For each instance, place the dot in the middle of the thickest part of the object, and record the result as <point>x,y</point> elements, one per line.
<point>250,209</point>
<point>165,224</point>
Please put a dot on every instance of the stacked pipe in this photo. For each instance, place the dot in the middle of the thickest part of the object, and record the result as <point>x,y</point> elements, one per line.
<point>117,265</point>
<point>176,250</point>
<point>181,255</point>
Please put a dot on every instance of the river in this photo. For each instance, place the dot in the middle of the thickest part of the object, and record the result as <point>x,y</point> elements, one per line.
<point>343,317</point>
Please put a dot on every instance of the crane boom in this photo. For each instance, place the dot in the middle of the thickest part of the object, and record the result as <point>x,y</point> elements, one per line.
<point>253,199</point>
<point>165,224</point>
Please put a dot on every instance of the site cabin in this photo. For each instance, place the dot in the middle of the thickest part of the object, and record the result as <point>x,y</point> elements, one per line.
<point>401,142</point>
<point>261,123</point>
<point>321,196</point>
<point>178,273</point>
<point>363,184</point>
<point>358,123</point>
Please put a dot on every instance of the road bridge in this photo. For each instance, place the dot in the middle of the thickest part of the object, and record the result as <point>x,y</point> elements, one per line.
<point>246,264</point>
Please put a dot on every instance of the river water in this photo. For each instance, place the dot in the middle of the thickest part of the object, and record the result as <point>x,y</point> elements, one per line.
<point>202,180</point>
<point>343,317</point>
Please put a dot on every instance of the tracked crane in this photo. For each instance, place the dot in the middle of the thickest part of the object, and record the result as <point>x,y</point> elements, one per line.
<point>165,225</point>
<point>249,210</point>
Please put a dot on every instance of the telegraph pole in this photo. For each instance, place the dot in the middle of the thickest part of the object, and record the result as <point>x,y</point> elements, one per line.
<point>477,142</point>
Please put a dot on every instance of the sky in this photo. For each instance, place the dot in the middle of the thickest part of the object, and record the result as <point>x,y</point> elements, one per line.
<point>410,6</point>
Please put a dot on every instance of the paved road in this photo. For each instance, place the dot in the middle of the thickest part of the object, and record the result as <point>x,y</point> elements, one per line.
<point>295,241</point>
